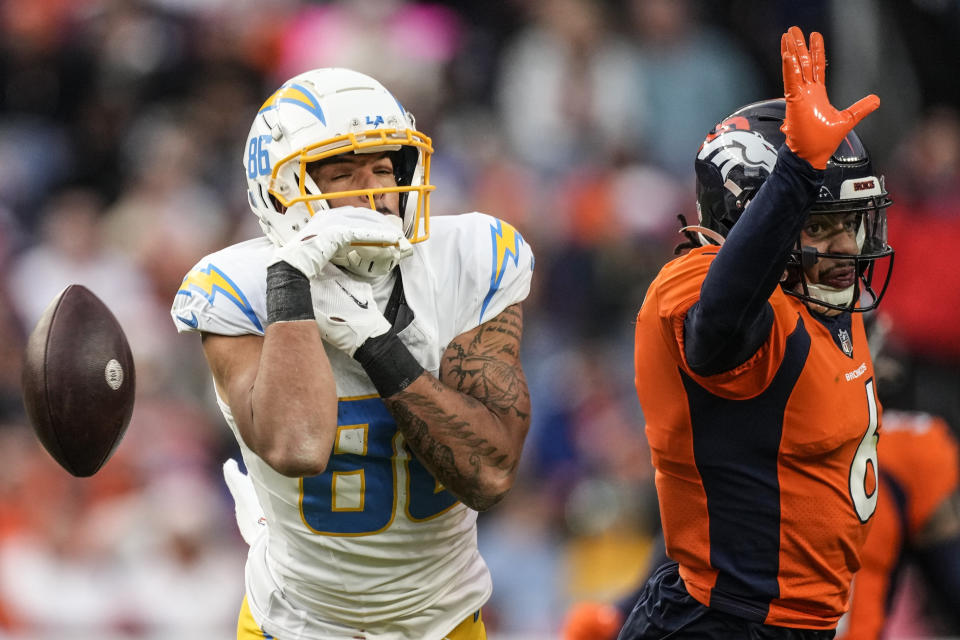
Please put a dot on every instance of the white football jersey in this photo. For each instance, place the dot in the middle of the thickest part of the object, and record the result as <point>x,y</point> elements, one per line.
<point>374,544</point>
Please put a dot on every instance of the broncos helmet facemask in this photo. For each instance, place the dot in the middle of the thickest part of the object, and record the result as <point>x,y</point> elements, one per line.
<point>736,158</point>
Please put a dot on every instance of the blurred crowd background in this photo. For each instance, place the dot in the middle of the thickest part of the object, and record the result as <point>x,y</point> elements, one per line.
<point>122,125</point>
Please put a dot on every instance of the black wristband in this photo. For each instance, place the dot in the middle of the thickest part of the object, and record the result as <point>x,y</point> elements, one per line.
<point>288,294</point>
<point>389,364</point>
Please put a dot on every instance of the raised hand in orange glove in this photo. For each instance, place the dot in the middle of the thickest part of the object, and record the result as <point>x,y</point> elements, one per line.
<point>592,621</point>
<point>814,128</point>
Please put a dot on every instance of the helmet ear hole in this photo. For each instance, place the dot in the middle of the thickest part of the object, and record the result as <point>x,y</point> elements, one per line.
<point>276,204</point>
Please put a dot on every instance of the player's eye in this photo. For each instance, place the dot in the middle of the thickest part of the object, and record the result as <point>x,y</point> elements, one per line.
<point>338,176</point>
<point>383,166</point>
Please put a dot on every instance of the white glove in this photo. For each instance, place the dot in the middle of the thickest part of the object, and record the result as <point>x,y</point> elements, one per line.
<point>346,312</point>
<point>250,518</point>
<point>364,241</point>
<point>370,260</point>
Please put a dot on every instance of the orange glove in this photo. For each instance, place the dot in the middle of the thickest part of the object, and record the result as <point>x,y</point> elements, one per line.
<point>814,128</point>
<point>592,621</point>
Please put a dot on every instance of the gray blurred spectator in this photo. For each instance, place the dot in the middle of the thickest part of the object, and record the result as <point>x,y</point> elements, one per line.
<point>872,56</point>
<point>522,546</point>
<point>692,73</point>
<point>569,89</point>
<point>34,160</point>
<point>71,251</point>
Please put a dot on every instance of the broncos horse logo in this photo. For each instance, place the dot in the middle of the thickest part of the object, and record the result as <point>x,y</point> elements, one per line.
<point>738,147</point>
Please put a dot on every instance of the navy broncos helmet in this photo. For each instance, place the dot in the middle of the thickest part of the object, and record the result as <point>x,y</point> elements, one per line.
<point>736,158</point>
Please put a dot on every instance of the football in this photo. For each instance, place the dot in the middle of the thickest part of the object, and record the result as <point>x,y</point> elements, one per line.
<point>78,381</point>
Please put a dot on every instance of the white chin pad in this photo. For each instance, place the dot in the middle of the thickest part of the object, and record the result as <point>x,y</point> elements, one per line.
<point>830,295</point>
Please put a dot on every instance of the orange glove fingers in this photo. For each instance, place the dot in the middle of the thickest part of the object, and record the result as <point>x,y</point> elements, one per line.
<point>813,127</point>
<point>819,58</point>
<point>791,68</point>
<point>799,48</point>
<point>862,108</point>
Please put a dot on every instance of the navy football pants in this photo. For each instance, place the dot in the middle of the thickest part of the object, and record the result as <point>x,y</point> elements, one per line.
<point>665,611</point>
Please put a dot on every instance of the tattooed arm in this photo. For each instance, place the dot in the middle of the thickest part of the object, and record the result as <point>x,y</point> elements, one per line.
<point>468,427</point>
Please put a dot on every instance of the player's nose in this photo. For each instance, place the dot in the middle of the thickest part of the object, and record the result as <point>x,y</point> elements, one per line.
<point>844,242</point>
<point>365,178</point>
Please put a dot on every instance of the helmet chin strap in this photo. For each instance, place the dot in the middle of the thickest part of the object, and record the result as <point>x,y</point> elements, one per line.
<point>705,234</point>
<point>832,295</point>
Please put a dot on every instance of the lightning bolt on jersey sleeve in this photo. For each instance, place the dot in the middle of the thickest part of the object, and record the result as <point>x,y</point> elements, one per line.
<point>225,293</point>
<point>493,261</point>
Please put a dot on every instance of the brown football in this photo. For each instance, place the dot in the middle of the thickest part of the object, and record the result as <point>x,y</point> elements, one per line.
<point>78,381</point>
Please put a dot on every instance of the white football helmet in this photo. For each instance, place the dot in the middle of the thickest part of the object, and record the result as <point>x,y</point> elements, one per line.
<point>323,113</point>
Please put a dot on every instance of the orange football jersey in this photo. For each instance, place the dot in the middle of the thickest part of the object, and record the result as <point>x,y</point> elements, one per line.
<point>766,474</point>
<point>920,470</point>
